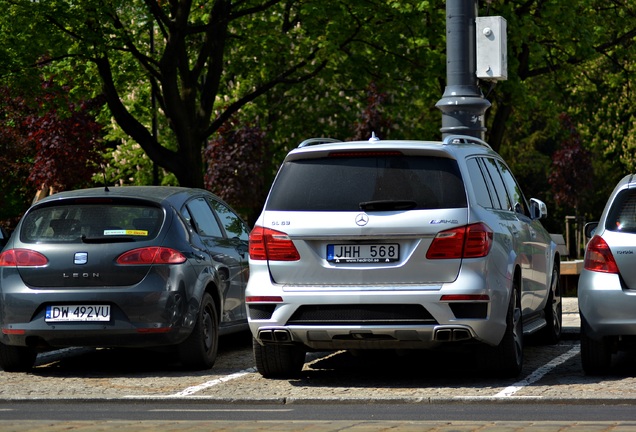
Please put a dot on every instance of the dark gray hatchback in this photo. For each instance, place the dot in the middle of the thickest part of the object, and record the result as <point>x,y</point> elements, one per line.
<point>126,267</point>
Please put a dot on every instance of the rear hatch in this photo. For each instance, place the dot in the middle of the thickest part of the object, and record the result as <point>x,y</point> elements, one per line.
<point>366,217</point>
<point>82,239</point>
<point>620,234</point>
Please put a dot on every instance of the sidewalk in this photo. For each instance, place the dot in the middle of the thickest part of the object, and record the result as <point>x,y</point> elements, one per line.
<point>571,320</point>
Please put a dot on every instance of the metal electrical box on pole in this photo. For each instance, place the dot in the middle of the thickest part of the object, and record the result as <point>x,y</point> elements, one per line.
<point>492,57</point>
<point>462,105</point>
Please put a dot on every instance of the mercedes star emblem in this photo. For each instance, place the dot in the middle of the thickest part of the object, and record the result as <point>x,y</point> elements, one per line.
<point>362,219</point>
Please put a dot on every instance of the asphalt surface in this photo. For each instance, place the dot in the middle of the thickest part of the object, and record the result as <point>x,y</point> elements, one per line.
<point>293,393</point>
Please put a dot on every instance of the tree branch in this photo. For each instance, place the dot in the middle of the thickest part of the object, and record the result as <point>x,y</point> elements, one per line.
<point>130,124</point>
<point>573,61</point>
<point>281,79</point>
<point>252,10</point>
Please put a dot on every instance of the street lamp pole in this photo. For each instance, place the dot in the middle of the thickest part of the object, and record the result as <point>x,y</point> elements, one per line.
<point>463,105</point>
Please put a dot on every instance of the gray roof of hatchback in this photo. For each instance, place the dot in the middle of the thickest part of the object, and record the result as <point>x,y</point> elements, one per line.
<point>151,193</point>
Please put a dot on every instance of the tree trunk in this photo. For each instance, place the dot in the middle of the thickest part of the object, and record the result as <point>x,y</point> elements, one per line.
<point>498,124</point>
<point>190,172</point>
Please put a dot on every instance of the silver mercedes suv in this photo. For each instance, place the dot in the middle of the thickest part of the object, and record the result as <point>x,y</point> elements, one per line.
<point>399,245</point>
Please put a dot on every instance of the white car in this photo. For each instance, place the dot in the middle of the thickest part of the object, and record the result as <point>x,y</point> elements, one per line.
<point>399,245</point>
<point>607,284</point>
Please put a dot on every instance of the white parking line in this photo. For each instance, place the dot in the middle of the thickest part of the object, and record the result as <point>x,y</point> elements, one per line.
<point>539,373</point>
<point>191,390</point>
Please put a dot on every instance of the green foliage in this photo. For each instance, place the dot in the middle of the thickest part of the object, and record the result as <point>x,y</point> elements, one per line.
<point>47,142</point>
<point>566,60</point>
<point>398,48</point>
<point>236,162</point>
<point>571,167</point>
<point>301,68</point>
<point>16,159</point>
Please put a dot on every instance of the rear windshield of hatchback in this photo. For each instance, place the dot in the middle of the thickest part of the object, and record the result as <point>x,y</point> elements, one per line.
<point>343,183</point>
<point>622,214</point>
<point>91,222</point>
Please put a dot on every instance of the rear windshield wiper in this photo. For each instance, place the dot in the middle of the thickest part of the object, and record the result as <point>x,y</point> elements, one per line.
<point>387,205</point>
<point>107,239</point>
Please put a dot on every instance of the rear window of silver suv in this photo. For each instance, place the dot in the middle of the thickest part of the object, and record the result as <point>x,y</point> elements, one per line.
<point>349,182</point>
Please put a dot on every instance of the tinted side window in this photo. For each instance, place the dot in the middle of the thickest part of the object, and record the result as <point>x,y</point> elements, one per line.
<point>203,219</point>
<point>234,225</point>
<point>514,191</point>
<point>341,183</point>
<point>499,190</point>
<point>482,195</point>
<point>622,215</point>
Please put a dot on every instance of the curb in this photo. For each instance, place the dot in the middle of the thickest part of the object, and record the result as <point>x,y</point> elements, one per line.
<point>458,400</point>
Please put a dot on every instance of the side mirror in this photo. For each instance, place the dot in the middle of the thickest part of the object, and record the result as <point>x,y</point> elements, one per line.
<point>538,209</point>
<point>590,229</point>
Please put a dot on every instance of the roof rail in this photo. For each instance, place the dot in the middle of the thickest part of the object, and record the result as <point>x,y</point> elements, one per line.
<point>316,141</point>
<point>465,139</point>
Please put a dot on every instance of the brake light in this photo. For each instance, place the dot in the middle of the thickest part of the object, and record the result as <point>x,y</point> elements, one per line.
<point>151,255</point>
<point>470,241</point>
<point>598,257</point>
<point>374,153</point>
<point>269,244</point>
<point>22,258</point>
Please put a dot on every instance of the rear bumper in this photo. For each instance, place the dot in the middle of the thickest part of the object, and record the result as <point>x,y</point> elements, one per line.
<point>112,336</point>
<point>608,308</point>
<point>337,327</point>
<point>368,337</point>
<point>140,316</point>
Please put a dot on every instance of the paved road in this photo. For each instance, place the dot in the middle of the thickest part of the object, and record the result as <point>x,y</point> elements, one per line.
<point>551,374</point>
<point>324,417</point>
<point>115,374</point>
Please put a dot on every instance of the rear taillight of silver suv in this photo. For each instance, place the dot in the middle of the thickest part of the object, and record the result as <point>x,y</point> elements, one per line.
<point>469,241</point>
<point>269,244</point>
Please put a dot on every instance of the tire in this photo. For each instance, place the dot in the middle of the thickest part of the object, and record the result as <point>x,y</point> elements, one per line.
<point>507,357</point>
<point>199,350</point>
<point>551,333</point>
<point>596,355</point>
<point>16,358</point>
<point>278,361</point>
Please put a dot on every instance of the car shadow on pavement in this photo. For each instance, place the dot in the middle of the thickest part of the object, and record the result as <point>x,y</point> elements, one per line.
<point>109,362</point>
<point>421,369</point>
<point>402,369</point>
